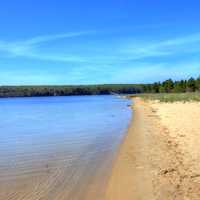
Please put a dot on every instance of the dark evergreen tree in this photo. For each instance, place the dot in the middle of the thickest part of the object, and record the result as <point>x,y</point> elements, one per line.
<point>198,84</point>
<point>168,86</point>
<point>191,85</point>
<point>179,86</point>
<point>156,87</point>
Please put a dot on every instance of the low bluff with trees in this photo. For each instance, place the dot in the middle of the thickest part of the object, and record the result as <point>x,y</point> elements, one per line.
<point>168,86</point>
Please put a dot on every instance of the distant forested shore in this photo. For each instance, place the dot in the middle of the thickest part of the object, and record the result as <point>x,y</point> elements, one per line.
<point>167,86</point>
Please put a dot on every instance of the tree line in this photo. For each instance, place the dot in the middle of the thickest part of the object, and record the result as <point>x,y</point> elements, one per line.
<point>167,86</point>
<point>170,86</point>
<point>36,91</point>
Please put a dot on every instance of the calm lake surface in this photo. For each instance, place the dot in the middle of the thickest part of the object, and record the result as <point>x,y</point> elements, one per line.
<point>59,148</point>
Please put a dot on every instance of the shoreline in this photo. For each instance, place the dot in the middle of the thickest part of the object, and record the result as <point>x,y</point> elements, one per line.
<point>122,175</point>
<point>151,162</point>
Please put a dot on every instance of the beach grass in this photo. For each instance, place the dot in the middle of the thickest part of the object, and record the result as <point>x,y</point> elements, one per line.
<point>170,97</point>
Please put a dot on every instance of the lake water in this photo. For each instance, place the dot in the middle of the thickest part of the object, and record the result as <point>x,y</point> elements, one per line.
<point>59,148</point>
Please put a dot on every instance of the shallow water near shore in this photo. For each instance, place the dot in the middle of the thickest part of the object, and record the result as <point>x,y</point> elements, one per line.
<point>59,147</point>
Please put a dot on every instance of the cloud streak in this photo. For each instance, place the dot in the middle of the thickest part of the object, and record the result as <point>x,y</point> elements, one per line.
<point>28,48</point>
<point>47,38</point>
<point>189,43</point>
<point>150,72</point>
<point>105,54</point>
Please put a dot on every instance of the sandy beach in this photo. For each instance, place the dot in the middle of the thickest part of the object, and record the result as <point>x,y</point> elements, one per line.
<point>159,158</point>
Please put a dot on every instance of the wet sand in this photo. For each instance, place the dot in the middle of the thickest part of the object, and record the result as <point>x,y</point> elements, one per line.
<point>160,156</point>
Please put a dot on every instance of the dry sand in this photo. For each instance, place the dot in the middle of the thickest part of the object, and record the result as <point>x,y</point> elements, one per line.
<point>160,156</point>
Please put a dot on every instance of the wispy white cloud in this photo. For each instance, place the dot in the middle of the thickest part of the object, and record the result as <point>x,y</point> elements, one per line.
<point>29,48</point>
<point>193,38</point>
<point>189,43</point>
<point>141,72</point>
<point>123,52</point>
<point>47,38</point>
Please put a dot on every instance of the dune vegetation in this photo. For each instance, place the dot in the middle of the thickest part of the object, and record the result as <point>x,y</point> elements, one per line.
<point>170,97</point>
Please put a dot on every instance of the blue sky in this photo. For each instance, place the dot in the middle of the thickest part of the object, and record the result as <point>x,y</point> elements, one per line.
<point>89,42</point>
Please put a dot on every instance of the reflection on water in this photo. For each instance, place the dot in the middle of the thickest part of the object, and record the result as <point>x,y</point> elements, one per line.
<point>58,148</point>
